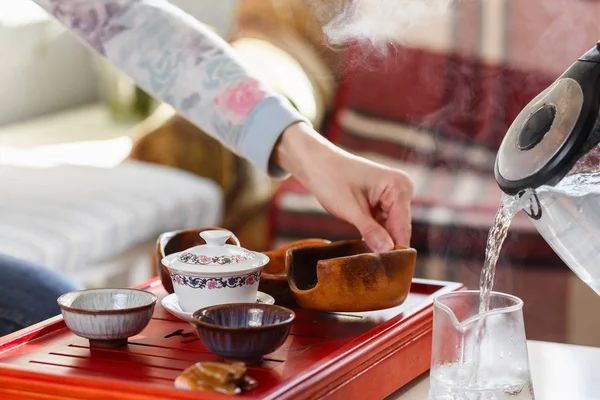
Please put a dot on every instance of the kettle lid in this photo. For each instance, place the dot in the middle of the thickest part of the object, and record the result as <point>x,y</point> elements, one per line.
<point>551,133</point>
<point>538,137</point>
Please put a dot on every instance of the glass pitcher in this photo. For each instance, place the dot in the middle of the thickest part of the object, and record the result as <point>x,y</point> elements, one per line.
<point>551,154</point>
<point>480,356</point>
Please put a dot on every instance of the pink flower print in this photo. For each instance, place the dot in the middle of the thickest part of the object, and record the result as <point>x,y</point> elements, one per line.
<point>250,280</point>
<point>205,260</point>
<point>178,280</point>
<point>236,103</point>
<point>212,285</point>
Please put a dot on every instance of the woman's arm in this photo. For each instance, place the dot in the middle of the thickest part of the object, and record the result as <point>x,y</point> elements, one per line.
<point>180,61</point>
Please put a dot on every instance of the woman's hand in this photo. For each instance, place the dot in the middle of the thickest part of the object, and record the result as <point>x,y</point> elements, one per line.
<point>372,197</point>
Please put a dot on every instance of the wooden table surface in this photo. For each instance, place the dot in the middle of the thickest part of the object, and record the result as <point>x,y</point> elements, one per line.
<point>559,372</point>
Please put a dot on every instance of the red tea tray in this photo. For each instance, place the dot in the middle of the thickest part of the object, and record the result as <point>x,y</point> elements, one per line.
<point>327,355</point>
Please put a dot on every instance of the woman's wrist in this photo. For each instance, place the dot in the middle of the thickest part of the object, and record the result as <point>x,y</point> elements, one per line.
<point>300,148</point>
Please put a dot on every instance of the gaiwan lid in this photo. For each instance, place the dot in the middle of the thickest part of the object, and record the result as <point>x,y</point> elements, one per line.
<point>215,256</point>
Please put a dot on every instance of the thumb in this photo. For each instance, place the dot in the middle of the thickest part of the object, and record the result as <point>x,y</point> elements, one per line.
<point>376,237</point>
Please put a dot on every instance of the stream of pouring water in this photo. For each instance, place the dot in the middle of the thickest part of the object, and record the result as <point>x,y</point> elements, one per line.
<point>509,207</point>
<point>507,210</point>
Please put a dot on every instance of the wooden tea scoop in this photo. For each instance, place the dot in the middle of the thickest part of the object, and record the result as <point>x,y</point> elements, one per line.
<point>216,377</point>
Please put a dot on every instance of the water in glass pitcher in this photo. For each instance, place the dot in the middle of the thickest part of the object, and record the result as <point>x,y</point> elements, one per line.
<point>570,223</point>
<point>453,382</point>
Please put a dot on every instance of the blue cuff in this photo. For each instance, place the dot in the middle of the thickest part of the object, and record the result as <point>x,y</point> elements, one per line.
<point>265,124</point>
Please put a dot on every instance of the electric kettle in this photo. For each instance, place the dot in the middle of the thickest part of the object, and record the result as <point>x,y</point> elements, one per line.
<point>551,155</point>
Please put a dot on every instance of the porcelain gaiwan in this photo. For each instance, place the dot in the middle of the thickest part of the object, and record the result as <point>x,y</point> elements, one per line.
<point>214,273</point>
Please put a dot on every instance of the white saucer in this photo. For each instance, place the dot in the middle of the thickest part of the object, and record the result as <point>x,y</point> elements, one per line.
<point>171,304</point>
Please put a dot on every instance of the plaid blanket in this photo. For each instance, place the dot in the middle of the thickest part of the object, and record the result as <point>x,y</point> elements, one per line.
<point>437,106</point>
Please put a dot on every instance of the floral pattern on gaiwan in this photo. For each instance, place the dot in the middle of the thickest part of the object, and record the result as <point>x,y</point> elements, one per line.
<point>190,258</point>
<point>215,283</point>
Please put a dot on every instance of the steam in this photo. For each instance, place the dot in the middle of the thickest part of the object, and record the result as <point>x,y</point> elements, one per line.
<point>380,22</point>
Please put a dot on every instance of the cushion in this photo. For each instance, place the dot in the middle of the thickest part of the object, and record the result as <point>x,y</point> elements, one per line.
<point>70,217</point>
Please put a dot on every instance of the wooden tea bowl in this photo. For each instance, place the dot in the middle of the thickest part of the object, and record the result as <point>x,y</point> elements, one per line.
<point>346,276</point>
<point>273,279</point>
<point>174,242</point>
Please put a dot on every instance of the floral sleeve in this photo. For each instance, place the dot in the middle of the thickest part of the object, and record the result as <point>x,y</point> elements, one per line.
<point>180,61</point>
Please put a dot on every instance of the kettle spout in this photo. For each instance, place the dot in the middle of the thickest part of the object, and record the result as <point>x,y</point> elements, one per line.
<point>535,208</point>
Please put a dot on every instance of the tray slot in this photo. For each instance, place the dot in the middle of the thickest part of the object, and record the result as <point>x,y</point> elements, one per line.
<point>112,374</point>
<point>181,356</point>
<point>127,360</point>
<point>124,370</point>
<point>181,359</point>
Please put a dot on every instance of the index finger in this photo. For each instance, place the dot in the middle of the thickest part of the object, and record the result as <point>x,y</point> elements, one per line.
<point>399,222</point>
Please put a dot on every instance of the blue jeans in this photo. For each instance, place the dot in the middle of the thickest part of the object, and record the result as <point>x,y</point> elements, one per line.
<point>28,293</point>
